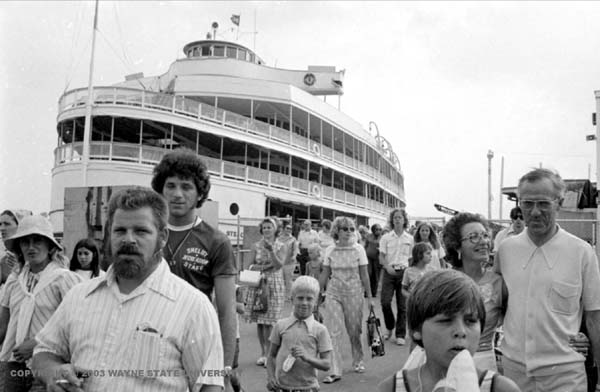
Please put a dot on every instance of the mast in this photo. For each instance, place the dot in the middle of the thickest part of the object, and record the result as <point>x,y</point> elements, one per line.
<point>88,109</point>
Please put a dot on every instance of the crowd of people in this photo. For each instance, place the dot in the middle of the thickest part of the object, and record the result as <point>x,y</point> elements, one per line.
<point>164,315</point>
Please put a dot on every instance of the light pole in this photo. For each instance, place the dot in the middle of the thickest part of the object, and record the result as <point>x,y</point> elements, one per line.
<point>490,155</point>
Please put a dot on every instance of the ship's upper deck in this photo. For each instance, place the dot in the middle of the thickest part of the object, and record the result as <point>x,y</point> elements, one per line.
<point>220,49</point>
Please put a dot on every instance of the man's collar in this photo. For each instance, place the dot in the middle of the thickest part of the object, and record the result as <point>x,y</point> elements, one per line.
<point>158,281</point>
<point>546,248</point>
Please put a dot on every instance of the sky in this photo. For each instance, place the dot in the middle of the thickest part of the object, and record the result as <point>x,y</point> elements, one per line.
<point>445,82</point>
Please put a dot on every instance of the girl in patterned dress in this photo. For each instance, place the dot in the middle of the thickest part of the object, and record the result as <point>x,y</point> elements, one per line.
<point>268,257</point>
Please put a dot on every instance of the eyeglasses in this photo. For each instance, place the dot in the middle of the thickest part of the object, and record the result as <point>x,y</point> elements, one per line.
<point>351,229</point>
<point>517,217</point>
<point>476,238</point>
<point>543,205</point>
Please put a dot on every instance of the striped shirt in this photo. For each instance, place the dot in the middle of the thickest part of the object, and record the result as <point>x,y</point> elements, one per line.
<point>163,336</point>
<point>54,283</point>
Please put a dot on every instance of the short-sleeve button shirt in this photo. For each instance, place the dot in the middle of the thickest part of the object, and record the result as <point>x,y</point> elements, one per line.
<point>549,287</point>
<point>396,248</point>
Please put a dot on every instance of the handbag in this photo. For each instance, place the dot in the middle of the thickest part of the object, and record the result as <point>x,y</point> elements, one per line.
<point>250,278</point>
<point>260,304</point>
<point>374,336</point>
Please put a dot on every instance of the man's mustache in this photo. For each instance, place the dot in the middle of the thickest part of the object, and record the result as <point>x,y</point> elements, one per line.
<point>128,249</point>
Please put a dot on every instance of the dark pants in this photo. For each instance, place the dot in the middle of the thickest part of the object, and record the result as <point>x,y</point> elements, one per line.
<point>16,377</point>
<point>302,259</point>
<point>389,285</point>
<point>374,272</point>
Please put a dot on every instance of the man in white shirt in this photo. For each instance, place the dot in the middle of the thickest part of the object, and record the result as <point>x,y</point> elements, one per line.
<point>395,249</point>
<point>138,328</point>
<point>517,225</point>
<point>306,237</point>
<point>552,279</point>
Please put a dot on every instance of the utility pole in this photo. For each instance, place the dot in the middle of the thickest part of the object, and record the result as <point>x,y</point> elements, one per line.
<point>597,93</point>
<point>490,155</point>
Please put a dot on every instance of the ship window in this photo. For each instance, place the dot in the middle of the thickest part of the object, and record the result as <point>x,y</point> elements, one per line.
<point>189,53</point>
<point>67,131</point>
<point>219,51</point>
<point>256,157</point>
<point>338,180</point>
<point>327,178</point>
<point>359,187</point>
<point>196,52</point>
<point>210,145</point>
<point>101,128</point>
<point>252,57</point>
<point>313,173</point>
<point>231,52</point>
<point>299,167</point>
<point>348,145</point>
<point>349,184</point>
<point>235,151</point>
<point>241,54</point>
<point>79,125</point>
<point>206,50</point>
<point>127,130</point>
<point>156,134</point>
<point>338,140</point>
<point>279,162</point>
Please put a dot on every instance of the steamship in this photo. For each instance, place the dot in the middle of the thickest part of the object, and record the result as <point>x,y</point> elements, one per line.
<point>272,143</point>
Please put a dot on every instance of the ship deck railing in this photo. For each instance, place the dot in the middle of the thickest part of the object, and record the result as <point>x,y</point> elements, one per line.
<point>142,154</point>
<point>181,106</point>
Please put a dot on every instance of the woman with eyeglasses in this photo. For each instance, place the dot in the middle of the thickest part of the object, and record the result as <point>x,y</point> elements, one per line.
<point>468,246</point>
<point>346,277</point>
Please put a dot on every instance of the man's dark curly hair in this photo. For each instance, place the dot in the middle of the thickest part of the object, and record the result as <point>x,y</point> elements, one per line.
<point>452,236</point>
<point>186,165</point>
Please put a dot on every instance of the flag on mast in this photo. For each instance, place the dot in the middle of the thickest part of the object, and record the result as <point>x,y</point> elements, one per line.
<point>235,19</point>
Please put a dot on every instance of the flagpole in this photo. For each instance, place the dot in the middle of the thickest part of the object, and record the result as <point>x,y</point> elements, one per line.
<point>88,110</point>
<point>254,33</point>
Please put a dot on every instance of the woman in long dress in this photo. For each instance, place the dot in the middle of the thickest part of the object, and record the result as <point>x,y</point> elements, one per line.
<point>267,256</point>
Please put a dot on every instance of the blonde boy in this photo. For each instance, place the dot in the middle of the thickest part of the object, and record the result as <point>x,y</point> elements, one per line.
<point>299,344</point>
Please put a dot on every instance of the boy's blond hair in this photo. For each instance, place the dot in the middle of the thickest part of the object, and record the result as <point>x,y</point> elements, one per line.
<point>305,282</point>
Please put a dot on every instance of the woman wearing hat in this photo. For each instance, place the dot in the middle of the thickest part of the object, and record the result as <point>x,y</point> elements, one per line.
<point>30,297</point>
<point>9,222</point>
<point>268,256</point>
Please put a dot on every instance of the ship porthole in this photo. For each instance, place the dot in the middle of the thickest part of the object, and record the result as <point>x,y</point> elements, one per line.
<point>316,149</point>
<point>316,190</point>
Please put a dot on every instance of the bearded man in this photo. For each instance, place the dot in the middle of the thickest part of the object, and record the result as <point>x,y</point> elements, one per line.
<point>138,328</point>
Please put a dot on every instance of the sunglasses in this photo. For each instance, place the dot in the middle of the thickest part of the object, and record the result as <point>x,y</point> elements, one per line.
<point>350,229</point>
<point>517,217</point>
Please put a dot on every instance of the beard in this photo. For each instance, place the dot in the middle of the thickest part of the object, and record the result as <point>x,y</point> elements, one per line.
<point>129,263</point>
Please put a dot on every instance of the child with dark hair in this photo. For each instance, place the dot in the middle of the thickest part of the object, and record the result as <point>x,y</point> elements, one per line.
<point>446,315</point>
<point>419,263</point>
<point>86,259</point>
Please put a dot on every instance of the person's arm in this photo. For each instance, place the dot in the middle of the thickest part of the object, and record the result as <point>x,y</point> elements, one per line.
<point>50,367</point>
<point>364,278</point>
<point>271,379</point>
<point>324,277</point>
<point>593,326</point>
<point>322,363</point>
<point>4,319</point>
<point>24,351</point>
<point>226,310</point>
